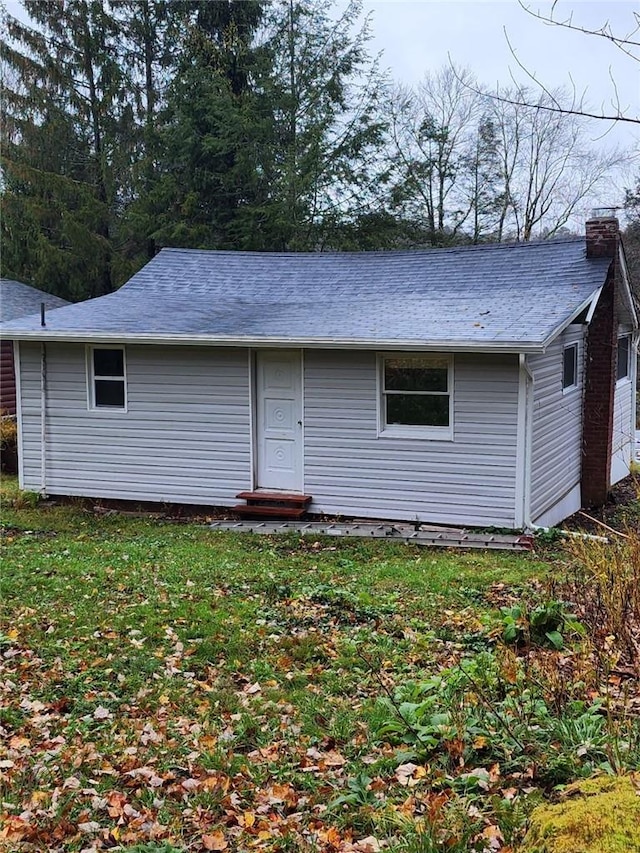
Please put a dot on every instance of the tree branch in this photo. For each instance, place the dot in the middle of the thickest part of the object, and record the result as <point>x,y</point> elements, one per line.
<point>604,31</point>
<point>550,108</point>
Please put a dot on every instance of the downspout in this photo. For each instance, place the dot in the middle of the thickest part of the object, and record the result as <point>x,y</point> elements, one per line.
<point>43,420</point>
<point>525,404</point>
<point>528,444</point>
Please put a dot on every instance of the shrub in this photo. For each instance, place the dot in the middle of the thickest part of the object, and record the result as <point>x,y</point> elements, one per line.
<point>8,432</point>
<point>8,444</point>
<point>604,582</point>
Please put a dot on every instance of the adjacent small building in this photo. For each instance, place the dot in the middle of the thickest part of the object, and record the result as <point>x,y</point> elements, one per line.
<point>17,300</point>
<point>489,385</point>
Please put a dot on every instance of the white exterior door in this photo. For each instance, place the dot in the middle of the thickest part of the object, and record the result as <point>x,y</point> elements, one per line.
<point>279,420</point>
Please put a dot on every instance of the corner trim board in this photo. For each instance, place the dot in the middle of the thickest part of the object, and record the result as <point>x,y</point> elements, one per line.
<point>17,369</point>
<point>522,496</point>
<point>303,454</point>
<point>251,384</point>
<point>43,419</point>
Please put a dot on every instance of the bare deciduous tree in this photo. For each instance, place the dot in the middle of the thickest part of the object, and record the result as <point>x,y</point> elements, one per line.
<point>473,167</point>
<point>431,130</point>
<point>549,166</point>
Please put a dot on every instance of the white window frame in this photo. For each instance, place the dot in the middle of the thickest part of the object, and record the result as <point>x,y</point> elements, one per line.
<point>627,377</point>
<point>437,433</point>
<point>568,389</point>
<point>91,380</point>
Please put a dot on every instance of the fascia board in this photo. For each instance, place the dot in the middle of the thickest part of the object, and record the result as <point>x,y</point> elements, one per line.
<point>512,346</point>
<point>626,287</point>
<point>593,306</point>
<point>589,303</point>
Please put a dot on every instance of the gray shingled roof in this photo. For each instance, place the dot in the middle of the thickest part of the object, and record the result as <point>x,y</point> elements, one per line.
<point>19,300</point>
<point>509,296</point>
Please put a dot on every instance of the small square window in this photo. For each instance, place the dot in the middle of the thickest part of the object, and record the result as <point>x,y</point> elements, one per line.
<point>570,367</point>
<point>107,388</point>
<point>624,357</point>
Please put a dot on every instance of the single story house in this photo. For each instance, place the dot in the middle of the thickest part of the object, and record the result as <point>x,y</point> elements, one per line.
<point>17,300</point>
<point>488,385</point>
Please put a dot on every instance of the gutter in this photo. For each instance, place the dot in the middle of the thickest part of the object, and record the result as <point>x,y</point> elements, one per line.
<point>508,347</point>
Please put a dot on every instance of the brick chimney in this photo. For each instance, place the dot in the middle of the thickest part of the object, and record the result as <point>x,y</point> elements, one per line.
<point>602,239</point>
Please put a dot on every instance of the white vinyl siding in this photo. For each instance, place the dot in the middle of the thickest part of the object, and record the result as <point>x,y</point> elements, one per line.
<point>623,419</point>
<point>186,435</point>
<point>29,403</point>
<point>350,469</point>
<point>556,452</point>
<point>184,438</point>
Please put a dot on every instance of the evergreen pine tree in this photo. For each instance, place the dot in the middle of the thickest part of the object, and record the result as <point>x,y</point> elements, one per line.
<point>67,125</point>
<point>204,170</point>
<point>272,139</point>
<point>321,154</point>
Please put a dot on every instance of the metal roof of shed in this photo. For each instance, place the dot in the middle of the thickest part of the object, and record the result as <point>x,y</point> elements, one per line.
<point>514,297</point>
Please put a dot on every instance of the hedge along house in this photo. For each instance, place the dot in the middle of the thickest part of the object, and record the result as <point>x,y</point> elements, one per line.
<point>17,300</point>
<point>490,385</point>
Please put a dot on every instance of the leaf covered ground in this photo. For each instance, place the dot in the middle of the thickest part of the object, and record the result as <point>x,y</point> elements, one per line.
<point>167,688</point>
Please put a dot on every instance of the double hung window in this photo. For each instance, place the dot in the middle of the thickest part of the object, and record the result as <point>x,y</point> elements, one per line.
<point>107,378</point>
<point>416,395</point>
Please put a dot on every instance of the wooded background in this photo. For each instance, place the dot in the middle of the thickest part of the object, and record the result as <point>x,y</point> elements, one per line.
<point>240,124</point>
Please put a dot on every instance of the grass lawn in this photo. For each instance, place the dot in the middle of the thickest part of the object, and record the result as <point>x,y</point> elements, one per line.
<point>167,688</point>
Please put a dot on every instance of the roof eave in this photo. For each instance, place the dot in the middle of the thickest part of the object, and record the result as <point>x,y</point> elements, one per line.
<point>589,305</point>
<point>506,346</point>
<point>626,287</point>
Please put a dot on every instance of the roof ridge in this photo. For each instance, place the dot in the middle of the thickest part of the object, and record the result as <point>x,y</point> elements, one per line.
<point>427,250</point>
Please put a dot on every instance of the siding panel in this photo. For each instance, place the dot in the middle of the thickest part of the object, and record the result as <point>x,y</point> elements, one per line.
<point>185,436</point>
<point>623,421</point>
<point>350,469</point>
<point>556,453</point>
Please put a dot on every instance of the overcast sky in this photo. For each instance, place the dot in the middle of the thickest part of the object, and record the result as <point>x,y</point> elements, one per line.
<point>420,35</point>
